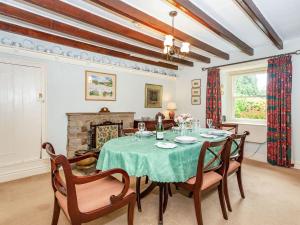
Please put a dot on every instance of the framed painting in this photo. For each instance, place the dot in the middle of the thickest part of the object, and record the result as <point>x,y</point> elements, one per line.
<point>196,100</point>
<point>100,86</point>
<point>196,92</point>
<point>153,96</point>
<point>196,83</point>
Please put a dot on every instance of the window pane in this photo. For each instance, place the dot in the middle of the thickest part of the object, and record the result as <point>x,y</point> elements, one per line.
<point>250,85</point>
<point>250,107</point>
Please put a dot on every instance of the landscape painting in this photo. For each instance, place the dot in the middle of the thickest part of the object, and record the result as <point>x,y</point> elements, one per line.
<point>153,96</point>
<point>100,86</point>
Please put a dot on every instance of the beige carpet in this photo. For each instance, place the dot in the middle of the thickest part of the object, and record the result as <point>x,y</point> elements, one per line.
<point>272,198</point>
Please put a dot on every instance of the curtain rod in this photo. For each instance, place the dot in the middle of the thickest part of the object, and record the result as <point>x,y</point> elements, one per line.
<point>297,52</point>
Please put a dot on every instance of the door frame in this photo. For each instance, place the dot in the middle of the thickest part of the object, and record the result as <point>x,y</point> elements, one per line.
<point>36,166</point>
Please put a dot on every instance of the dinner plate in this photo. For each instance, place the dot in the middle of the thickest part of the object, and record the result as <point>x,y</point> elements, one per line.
<point>165,145</point>
<point>208,136</point>
<point>144,133</point>
<point>219,132</point>
<point>186,139</point>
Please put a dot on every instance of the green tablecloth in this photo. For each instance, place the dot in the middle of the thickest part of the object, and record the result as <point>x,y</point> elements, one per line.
<point>141,157</point>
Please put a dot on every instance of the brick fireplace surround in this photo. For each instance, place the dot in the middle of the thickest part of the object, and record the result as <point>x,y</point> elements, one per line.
<point>79,125</point>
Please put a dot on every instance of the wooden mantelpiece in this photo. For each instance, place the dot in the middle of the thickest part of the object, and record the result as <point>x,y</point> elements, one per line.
<point>99,113</point>
<point>79,125</point>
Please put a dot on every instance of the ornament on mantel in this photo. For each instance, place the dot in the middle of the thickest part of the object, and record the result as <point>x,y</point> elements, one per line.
<point>104,109</point>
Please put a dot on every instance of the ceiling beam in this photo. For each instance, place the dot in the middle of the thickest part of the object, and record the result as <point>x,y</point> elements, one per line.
<point>41,21</point>
<point>73,12</point>
<point>130,12</point>
<point>258,18</point>
<point>12,28</point>
<point>196,13</point>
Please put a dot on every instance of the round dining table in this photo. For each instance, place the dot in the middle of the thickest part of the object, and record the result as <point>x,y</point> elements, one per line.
<point>140,156</point>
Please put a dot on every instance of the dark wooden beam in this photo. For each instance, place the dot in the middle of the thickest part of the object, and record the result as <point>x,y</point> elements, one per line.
<point>258,18</point>
<point>41,21</point>
<point>150,21</point>
<point>77,44</point>
<point>196,13</point>
<point>73,12</point>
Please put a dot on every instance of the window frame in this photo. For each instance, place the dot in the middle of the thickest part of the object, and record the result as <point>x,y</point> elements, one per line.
<point>252,72</point>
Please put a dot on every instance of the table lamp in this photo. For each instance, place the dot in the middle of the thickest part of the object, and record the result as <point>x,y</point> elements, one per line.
<point>171,107</point>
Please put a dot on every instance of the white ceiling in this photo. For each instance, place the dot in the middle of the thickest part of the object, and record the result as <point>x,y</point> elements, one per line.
<point>283,15</point>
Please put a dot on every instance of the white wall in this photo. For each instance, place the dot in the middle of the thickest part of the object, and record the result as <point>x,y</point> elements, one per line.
<point>65,86</point>
<point>183,86</point>
<point>65,92</point>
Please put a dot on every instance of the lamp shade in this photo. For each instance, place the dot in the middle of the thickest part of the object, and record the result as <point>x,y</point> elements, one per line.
<point>168,40</point>
<point>171,106</point>
<point>185,47</point>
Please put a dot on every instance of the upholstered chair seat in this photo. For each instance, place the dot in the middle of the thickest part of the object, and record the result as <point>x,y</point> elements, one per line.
<point>209,179</point>
<point>94,195</point>
<point>233,165</point>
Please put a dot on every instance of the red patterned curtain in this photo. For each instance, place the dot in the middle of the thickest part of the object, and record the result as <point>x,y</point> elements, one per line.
<point>279,110</point>
<point>213,96</point>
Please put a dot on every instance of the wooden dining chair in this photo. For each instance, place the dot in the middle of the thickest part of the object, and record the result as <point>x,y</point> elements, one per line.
<point>129,131</point>
<point>233,127</point>
<point>235,165</point>
<point>86,198</point>
<point>209,174</point>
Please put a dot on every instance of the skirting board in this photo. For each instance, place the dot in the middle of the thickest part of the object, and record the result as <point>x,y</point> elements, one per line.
<point>21,170</point>
<point>297,165</point>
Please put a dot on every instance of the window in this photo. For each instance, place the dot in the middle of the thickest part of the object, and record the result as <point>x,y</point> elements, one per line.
<point>249,96</point>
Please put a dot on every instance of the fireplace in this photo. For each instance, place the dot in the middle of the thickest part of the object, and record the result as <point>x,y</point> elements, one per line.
<point>79,126</point>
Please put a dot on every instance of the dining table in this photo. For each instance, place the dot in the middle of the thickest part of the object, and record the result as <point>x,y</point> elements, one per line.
<point>140,156</point>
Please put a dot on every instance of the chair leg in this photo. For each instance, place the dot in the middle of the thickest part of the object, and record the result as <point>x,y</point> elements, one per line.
<point>239,179</point>
<point>197,204</point>
<point>191,194</point>
<point>138,193</point>
<point>221,198</point>
<point>147,180</point>
<point>170,191</point>
<point>130,214</point>
<point>56,212</point>
<point>227,199</point>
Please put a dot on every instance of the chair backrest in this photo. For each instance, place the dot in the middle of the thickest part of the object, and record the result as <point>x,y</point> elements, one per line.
<point>217,156</point>
<point>233,127</point>
<point>168,126</point>
<point>103,132</point>
<point>66,188</point>
<point>238,145</point>
<point>129,131</point>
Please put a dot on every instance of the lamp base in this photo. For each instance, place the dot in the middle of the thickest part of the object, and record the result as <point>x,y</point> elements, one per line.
<point>171,115</point>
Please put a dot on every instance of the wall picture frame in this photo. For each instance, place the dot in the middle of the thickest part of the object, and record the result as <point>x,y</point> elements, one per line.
<point>196,92</point>
<point>153,96</point>
<point>100,86</point>
<point>196,100</point>
<point>196,83</point>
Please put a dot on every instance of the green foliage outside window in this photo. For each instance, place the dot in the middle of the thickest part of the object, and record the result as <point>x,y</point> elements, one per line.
<point>250,97</point>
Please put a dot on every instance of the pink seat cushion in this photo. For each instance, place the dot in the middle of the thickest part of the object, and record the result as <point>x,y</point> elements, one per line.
<point>233,165</point>
<point>209,179</point>
<point>93,195</point>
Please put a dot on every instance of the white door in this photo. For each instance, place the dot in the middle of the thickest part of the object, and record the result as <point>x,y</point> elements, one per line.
<point>20,113</point>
